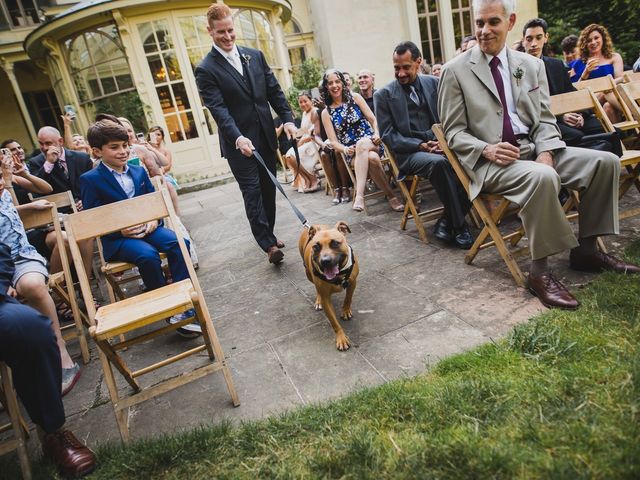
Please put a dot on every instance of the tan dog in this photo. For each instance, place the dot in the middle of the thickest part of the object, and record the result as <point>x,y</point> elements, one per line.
<point>331,266</point>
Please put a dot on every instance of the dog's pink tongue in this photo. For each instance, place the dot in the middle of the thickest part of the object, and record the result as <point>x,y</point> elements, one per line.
<point>331,272</point>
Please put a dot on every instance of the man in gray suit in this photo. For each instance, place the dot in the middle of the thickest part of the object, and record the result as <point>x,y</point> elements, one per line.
<point>494,106</point>
<point>406,109</point>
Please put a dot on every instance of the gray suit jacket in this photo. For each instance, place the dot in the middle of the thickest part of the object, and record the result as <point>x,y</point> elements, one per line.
<point>471,110</point>
<point>392,115</point>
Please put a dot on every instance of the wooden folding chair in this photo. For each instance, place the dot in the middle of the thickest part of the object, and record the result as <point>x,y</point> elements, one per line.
<point>283,164</point>
<point>61,283</point>
<point>630,160</point>
<point>17,424</point>
<point>630,94</point>
<point>410,209</point>
<point>631,76</point>
<point>352,175</point>
<point>606,85</point>
<point>146,311</point>
<point>490,220</point>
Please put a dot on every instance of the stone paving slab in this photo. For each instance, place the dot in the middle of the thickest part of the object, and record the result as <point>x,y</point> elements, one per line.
<point>415,303</point>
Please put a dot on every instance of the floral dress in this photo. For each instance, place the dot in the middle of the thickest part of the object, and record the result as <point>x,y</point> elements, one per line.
<point>350,125</point>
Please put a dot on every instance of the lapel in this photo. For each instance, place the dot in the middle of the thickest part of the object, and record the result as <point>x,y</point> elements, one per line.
<point>108,177</point>
<point>247,67</point>
<point>480,68</point>
<point>428,97</point>
<point>224,63</point>
<point>400,108</point>
<point>515,63</point>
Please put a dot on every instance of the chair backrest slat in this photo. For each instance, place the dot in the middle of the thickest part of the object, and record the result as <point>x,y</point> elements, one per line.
<point>116,216</point>
<point>630,93</point>
<point>571,102</point>
<point>596,85</point>
<point>62,199</point>
<point>37,218</point>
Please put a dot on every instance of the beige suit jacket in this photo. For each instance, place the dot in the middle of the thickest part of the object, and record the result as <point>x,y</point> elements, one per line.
<point>471,111</point>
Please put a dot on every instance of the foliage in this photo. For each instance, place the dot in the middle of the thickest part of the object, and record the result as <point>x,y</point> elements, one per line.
<point>620,17</point>
<point>305,77</point>
<point>558,398</point>
<point>126,105</point>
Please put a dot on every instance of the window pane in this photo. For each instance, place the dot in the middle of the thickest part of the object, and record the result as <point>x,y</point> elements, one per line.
<point>157,69</point>
<point>180,94</point>
<point>175,130</point>
<point>244,23</point>
<point>148,38</point>
<point>166,102</point>
<point>163,35</point>
<point>189,125</point>
<point>171,63</point>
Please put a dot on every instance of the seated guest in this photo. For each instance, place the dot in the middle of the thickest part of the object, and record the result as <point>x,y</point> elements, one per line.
<point>353,131</point>
<point>570,50</point>
<point>308,143</point>
<point>425,68</point>
<point>348,79</point>
<point>28,346</point>
<point>518,153</point>
<point>366,80</point>
<point>467,42</point>
<point>114,180</point>
<point>573,126</point>
<point>436,68</point>
<point>73,141</point>
<point>157,141</point>
<point>22,181</point>
<point>406,109</point>
<point>598,59</point>
<point>30,276</point>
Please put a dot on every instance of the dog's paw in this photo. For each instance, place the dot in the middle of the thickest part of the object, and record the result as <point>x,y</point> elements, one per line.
<point>346,313</point>
<point>342,342</point>
<point>318,304</point>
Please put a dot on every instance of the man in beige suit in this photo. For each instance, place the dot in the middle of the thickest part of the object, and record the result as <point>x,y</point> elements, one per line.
<point>520,154</point>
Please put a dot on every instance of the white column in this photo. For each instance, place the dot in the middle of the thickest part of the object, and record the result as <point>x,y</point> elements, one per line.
<point>281,47</point>
<point>7,66</point>
<point>448,34</point>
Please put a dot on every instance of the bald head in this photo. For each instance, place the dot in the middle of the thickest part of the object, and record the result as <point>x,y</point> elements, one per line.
<point>365,82</point>
<point>49,137</point>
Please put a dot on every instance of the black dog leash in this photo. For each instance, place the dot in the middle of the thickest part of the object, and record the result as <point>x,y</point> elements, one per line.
<point>275,181</point>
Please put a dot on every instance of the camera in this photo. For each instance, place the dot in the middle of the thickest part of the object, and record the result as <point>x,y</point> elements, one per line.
<point>69,110</point>
<point>140,136</point>
<point>6,152</point>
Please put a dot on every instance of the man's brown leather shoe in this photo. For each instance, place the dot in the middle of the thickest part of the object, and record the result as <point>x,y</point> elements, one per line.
<point>275,255</point>
<point>598,262</point>
<point>552,293</point>
<point>72,458</point>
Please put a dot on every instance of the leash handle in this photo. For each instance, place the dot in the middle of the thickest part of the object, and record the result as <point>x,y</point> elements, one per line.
<point>275,181</point>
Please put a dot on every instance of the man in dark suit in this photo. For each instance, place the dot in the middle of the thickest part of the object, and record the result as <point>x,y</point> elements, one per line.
<point>406,109</point>
<point>238,86</point>
<point>28,345</point>
<point>573,126</point>
<point>60,167</point>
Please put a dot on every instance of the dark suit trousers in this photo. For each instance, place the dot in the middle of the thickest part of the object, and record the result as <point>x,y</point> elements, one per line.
<point>258,191</point>
<point>145,254</point>
<point>28,345</point>
<point>441,175</point>
<point>573,136</point>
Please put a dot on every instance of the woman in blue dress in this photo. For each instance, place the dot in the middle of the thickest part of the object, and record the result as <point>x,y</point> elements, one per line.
<point>597,59</point>
<point>352,129</point>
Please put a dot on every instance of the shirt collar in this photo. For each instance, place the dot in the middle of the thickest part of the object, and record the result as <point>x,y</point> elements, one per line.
<point>504,60</point>
<point>126,169</point>
<point>233,53</point>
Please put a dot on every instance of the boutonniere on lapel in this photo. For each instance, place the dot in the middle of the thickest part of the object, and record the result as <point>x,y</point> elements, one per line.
<point>247,58</point>
<point>517,74</point>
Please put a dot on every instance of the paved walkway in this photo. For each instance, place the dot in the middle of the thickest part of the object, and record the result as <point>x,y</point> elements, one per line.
<point>414,304</point>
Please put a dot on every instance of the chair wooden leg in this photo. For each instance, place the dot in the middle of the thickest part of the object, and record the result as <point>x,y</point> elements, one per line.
<point>14,414</point>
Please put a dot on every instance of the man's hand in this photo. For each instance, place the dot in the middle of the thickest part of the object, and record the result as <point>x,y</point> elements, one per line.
<point>79,205</point>
<point>546,158</point>
<point>151,227</point>
<point>573,119</point>
<point>40,205</point>
<point>53,154</point>
<point>501,154</point>
<point>245,146</point>
<point>137,231</point>
<point>11,292</point>
<point>430,146</point>
<point>290,129</point>
<point>67,118</point>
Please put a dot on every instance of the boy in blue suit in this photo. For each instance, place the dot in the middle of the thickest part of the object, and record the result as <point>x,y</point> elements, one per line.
<point>115,180</point>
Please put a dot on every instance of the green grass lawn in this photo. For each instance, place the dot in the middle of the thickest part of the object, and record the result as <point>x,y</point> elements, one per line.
<point>558,398</point>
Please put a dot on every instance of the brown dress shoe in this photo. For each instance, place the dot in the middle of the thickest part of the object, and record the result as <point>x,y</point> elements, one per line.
<point>552,293</point>
<point>72,458</point>
<point>275,254</point>
<point>599,261</point>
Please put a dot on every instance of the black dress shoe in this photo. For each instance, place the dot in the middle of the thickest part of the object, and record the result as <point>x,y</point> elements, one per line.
<point>443,230</point>
<point>463,238</point>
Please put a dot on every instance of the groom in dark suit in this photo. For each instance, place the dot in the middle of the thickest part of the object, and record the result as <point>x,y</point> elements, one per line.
<point>238,87</point>
<point>406,109</point>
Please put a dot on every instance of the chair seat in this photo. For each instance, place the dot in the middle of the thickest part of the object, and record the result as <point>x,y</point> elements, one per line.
<point>117,267</point>
<point>144,309</point>
<point>626,125</point>
<point>630,157</point>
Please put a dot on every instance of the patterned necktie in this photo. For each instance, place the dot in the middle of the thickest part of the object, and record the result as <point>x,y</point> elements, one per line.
<point>235,61</point>
<point>413,95</point>
<point>63,164</point>
<point>507,128</point>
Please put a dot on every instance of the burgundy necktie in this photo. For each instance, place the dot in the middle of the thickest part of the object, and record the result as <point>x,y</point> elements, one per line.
<point>507,129</point>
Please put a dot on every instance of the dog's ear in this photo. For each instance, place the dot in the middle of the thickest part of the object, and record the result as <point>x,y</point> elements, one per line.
<point>343,227</point>
<point>312,231</point>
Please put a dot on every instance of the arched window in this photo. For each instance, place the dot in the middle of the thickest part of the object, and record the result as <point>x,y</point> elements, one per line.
<point>291,27</point>
<point>98,64</point>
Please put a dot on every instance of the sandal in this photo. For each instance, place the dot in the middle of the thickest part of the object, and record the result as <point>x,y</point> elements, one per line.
<point>346,194</point>
<point>358,204</point>
<point>336,196</point>
<point>313,189</point>
<point>396,205</point>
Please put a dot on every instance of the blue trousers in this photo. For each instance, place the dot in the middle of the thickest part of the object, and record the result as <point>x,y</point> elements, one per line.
<point>145,254</point>
<point>28,345</point>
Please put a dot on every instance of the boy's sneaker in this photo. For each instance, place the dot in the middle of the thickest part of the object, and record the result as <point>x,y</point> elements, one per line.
<point>190,330</point>
<point>69,378</point>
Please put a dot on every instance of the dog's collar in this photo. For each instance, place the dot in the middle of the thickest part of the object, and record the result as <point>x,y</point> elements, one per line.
<point>344,274</point>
